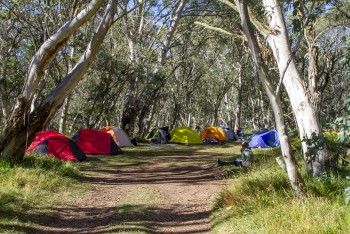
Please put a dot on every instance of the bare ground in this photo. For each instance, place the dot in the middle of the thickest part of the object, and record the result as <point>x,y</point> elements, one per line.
<point>180,200</point>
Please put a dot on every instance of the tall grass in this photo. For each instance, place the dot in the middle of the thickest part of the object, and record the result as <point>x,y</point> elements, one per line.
<point>37,182</point>
<point>260,201</point>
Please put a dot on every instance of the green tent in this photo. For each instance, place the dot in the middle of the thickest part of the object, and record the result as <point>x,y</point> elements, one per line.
<point>185,135</point>
<point>159,135</point>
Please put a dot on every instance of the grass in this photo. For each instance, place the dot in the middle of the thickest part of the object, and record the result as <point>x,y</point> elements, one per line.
<point>260,201</point>
<point>29,189</point>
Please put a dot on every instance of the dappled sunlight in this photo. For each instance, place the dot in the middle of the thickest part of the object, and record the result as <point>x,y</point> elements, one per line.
<point>160,190</point>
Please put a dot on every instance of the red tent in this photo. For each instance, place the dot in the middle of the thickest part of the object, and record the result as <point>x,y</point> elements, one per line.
<point>96,142</point>
<point>57,145</point>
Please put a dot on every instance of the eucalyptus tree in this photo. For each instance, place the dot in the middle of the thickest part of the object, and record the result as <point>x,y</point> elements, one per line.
<point>99,97</point>
<point>136,27</point>
<point>23,125</point>
<point>167,15</point>
<point>11,69</point>
<point>222,55</point>
<point>325,46</point>
<point>17,45</point>
<point>161,72</point>
<point>276,35</point>
<point>289,164</point>
<point>305,107</point>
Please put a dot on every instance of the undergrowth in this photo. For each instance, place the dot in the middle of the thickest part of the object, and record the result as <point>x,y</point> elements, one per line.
<point>260,200</point>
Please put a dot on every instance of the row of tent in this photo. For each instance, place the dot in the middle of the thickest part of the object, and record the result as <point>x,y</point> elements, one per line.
<point>185,135</point>
<point>106,141</point>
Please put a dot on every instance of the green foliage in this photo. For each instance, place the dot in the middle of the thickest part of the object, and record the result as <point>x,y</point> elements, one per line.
<point>347,193</point>
<point>315,143</point>
<point>343,123</point>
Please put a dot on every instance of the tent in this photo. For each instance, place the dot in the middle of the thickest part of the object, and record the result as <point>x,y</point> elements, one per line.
<point>213,132</point>
<point>57,145</point>
<point>159,135</point>
<point>185,135</point>
<point>118,135</point>
<point>96,142</point>
<point>229,133</point>
<point>265,140</point>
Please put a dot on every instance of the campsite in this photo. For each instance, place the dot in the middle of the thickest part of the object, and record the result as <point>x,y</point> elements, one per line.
<point>224,116</point>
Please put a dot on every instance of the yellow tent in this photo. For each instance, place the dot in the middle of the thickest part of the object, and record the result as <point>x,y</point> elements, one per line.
<point>213,132</point>
<point>185,135</point>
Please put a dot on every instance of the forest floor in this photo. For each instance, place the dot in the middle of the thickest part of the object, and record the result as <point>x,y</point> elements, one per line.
<point>169,191</point>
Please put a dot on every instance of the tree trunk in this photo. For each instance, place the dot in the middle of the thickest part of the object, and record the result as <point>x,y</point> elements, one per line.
<point>175,17</point>
<point>312,60</point>
<point>132,106</point>
<point>151,116</point>
<point>141,121</point>
<point>72,126</point>
<point>23,128</point>
<point>51,46</point>
<point>306,116</point>
<point>66,103</point>
<point>176,113</point>
<point>40,88</point>
<point>216,111</point>
<point>295,178</point>
<point>239,100</point>
<point>3,95</point>
<point>13,138</point>
<point>63,118</point>
<point>174,21</point>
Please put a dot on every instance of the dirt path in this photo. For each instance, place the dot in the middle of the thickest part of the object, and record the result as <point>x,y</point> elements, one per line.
<point>163,196</point>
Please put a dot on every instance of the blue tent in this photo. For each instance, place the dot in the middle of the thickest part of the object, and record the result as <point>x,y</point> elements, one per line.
<point>265,140</point>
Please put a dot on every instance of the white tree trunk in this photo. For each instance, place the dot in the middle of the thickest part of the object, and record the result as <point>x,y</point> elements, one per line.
<point>239,100</point>
<point>131,106</point>
<point>51,46</point>
<point>63,116</point>
<point>76,74</point>
<point>174,21</point>
<point>40,88</point>
<point>305,114</point>
<point>295,178</point>
<point>65,107</point>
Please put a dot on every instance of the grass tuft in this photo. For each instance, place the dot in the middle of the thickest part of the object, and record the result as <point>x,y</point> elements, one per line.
<point>34,183</point>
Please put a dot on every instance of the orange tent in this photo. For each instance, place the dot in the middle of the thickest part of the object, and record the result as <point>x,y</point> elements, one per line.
<point>213,132</point>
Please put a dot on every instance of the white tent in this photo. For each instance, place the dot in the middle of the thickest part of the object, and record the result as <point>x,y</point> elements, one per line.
<point>118,135</point>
